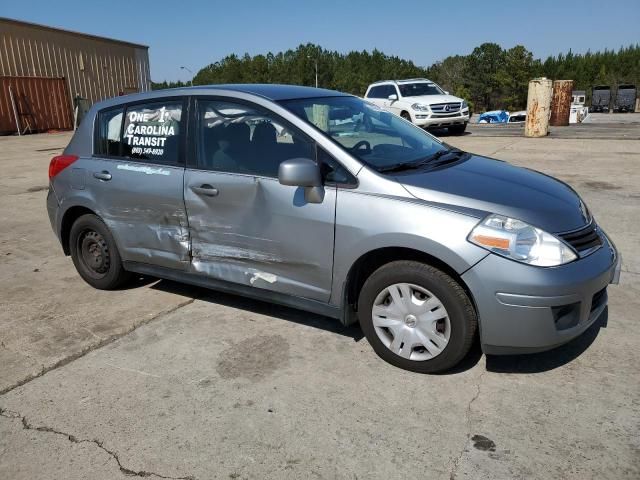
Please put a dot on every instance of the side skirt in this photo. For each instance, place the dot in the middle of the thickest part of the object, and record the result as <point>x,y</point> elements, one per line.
<point>300,303</point>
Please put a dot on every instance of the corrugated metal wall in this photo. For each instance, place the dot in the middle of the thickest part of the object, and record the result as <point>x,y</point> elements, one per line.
<point>95,68</point>
<point>41,104</point>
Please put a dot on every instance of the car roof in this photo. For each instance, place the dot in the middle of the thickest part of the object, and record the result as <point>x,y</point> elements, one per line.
<point>398,82</point>
<point>273,92</point>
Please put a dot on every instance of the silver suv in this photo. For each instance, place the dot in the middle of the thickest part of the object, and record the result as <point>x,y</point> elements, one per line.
<point>321,201</point>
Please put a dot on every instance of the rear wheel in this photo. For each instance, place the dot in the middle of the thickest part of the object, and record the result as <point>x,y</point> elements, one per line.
<point>416,317</point>
<point>94,253</point>
<point>457,129</point>
<point>406,116</point>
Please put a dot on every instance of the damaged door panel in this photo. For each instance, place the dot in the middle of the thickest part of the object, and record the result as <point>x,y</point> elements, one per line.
<point>259,233</point>
<point>136,178</point>
<point>144,211</point>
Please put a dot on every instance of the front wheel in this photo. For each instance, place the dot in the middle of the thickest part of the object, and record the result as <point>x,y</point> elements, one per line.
<point>94,253</point>
<point>406,116</point>
<point>416,317</point>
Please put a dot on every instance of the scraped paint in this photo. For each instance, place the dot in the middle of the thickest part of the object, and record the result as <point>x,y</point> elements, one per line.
<point>267,277</point>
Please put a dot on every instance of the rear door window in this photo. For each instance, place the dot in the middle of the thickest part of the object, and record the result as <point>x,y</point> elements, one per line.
<point>150,132</point>
<point>153,132</point>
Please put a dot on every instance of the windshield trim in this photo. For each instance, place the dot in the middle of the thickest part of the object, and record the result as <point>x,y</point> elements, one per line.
<point>284,104</point>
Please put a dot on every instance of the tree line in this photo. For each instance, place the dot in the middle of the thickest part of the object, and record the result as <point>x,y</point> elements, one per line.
<point>490,77</point>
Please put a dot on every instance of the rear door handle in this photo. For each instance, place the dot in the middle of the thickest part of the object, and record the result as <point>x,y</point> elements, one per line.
<point>206,190</point>
<point>103,175</point>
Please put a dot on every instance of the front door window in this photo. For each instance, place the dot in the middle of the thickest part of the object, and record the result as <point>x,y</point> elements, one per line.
<point>237,138</point>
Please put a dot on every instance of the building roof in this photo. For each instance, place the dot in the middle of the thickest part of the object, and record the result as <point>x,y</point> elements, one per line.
<point>79,34</point>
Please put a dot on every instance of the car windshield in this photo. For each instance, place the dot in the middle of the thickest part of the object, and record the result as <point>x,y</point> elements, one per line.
<point>418,89</point>
<point>378,138</point>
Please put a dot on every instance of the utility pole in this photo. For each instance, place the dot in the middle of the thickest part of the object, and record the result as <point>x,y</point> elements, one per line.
<point>315,61</point>
<point>188,70</point>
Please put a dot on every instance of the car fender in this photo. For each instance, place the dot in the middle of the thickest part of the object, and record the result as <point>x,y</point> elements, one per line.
<point>80,198</point>
<point>365,223</point>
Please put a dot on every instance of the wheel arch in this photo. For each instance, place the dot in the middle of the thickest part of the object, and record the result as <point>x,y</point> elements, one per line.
<point>370,261</point>
<point>68,219</point>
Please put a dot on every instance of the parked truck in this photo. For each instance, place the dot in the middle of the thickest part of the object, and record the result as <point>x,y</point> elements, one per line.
<point>625,99</point>
<point>600,98</point>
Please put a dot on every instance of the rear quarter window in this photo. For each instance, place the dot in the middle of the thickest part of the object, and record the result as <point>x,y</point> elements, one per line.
<point>109,129</point>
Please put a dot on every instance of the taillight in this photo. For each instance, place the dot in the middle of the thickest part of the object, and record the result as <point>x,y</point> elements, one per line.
<point>59,163</point>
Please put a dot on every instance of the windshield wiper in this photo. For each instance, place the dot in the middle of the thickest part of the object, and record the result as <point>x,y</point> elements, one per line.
<point>430,160</point>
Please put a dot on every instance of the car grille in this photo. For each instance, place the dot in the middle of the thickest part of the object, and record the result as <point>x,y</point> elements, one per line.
<point>445,107</point>
<point>583,240</point>
<point>445,115</point>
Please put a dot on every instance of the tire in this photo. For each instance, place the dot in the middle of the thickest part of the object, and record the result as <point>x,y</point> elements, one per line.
<point>406,116</point>
<point>95,255</point>
<point>457,129</point>
<point>425,283</point>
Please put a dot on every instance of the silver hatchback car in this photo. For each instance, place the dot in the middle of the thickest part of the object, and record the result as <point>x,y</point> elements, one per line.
<point>321,201</point>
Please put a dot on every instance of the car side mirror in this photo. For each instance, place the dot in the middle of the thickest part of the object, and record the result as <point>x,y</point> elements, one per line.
<point>303,172</point>
<point>446,93</point>
<point>393,97</point>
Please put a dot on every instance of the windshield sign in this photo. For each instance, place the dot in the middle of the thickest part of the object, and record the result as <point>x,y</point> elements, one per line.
<point>378,138</point>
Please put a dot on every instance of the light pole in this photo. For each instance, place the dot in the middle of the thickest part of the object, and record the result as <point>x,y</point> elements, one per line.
<point>188,70</point>
<point>315,60</point>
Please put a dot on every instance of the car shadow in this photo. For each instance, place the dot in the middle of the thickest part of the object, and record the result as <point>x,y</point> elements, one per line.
<point>261,307</point>
<point>294,315</point>
<point>137,281</point>
<point>443,132</point>
<point>552,359</point>
<point>519,364</point>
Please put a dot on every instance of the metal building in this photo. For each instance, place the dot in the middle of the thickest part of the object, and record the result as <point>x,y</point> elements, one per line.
<point>48,75</point>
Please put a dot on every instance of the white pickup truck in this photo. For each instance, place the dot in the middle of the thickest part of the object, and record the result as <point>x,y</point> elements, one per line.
<point>421,102</point>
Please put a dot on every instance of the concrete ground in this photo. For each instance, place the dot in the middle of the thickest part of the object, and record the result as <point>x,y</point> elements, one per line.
<point>165,381</point>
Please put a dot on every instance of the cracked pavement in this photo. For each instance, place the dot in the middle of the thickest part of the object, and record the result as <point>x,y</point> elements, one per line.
<point>165,381</point>
<point>127,471</point>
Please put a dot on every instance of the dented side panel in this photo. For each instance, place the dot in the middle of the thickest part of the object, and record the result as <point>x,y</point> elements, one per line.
<point>259,233</point>
<point>143,207</point>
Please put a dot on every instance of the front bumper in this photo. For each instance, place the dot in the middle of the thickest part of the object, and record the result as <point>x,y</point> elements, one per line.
<point>432,120</point>
<point>527,309</point>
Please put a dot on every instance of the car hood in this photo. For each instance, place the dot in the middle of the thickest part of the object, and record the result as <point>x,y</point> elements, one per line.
<point>494,186</point>
<point>431,99</point>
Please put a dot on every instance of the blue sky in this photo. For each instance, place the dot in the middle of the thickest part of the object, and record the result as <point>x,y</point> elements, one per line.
<point>197,33</point>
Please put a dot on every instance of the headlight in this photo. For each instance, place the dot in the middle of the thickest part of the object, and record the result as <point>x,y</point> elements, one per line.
<point>421,107</point>
<point>464,105</point>
<point>520,241</point>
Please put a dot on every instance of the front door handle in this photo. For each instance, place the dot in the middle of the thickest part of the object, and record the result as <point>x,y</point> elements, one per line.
<point>206,190</point>
<point>103,175</point>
